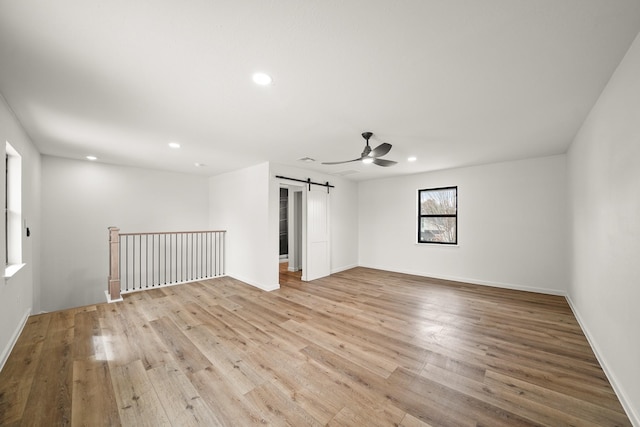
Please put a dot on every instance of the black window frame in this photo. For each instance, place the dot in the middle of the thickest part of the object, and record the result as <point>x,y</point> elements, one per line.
<point>421,215</point>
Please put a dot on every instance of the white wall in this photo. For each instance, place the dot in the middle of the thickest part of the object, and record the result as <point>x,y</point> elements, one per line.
<point>512,225</point>
<point>81,199</point>
<point>246,204</point>
<point>19,294</point>
<point>239,203</point>
<point>343,212</point>
<point>604,188</point>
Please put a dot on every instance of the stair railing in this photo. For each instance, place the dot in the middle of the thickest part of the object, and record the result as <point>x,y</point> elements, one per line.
<point>139,261</point>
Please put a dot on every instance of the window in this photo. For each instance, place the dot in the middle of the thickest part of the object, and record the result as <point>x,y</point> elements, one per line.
<point>13,211</point>
<point>438,215</point>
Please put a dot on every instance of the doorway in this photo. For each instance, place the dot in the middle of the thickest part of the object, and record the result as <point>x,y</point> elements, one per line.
<point>284,227</point>
<point>290,233</point>
<point>308,255</point>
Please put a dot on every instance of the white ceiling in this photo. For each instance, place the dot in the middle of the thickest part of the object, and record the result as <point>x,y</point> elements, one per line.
<point>452,82</point>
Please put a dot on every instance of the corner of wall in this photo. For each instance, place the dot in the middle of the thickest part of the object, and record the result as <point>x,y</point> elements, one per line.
<point>6,351</point>
<point>613,380</point>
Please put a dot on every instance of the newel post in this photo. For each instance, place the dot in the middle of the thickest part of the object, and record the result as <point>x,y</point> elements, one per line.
<point>114,264</point>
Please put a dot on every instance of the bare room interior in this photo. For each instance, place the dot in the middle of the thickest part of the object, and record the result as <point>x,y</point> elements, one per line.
<point>355,213</point>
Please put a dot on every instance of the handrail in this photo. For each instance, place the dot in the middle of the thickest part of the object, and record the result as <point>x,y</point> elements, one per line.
<point>173,232</point>
<point>140,261</point>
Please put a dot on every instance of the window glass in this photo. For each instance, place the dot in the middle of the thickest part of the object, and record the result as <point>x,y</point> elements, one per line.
<point>438,215</point>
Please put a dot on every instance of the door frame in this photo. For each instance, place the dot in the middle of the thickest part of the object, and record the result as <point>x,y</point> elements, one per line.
<point>297,188</point>
<point>293,187</point>
<point>295,219</point>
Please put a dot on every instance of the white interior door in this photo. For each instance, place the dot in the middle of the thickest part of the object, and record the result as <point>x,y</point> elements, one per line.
<point>318,255</point>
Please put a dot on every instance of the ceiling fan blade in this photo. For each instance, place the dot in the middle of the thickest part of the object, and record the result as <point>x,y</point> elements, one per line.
<point>339,163</point>
<point>370,155</point>
<point>383,162</point>
<point>380,150</point>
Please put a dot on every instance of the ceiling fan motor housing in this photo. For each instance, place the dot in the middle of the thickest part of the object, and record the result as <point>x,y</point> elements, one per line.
<point>367,149</point>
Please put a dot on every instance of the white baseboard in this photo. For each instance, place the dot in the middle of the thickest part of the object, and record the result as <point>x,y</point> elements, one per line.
<point>634,417</point>
<point>14,338</point>
<point>624,400</point>
<point>344,268</point>
<point>254,284</point>
<point>475,281</point>
<point>109,300</point>
<point>277,285</point>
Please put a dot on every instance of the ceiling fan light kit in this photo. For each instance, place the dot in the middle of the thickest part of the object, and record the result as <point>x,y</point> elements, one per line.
<point>370,156</point>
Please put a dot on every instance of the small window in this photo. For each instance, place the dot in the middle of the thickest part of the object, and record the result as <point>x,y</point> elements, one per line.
<point>438,215</point>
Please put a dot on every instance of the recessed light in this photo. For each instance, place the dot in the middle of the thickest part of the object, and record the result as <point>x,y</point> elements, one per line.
<point>412,159</point>
<point>262,79</point>
<point>92,158</point>
<point>199,165</point>
<point>367,160</point>
<point>174,145</point>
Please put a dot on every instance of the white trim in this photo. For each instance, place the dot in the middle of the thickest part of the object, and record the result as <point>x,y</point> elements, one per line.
<point>13,214</point>
<point>109,300</point>
<point>254,284</point>
<point>14,338</point>
<point>633,416</point>
<point>344,268</point>
<point>475,282</point>
<point>626,405</point>
<point>11,269</point>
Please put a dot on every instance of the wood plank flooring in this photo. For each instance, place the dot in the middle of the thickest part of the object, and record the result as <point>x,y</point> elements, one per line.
<point>361,348</point>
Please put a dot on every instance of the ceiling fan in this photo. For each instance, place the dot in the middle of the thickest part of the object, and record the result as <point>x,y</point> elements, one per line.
<point>370,156</point>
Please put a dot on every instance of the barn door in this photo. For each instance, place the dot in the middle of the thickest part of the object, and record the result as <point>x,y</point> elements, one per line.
<point>318,252</point>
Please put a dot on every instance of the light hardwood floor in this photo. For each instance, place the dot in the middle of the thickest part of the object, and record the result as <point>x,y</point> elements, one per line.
<point>360,348</point>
